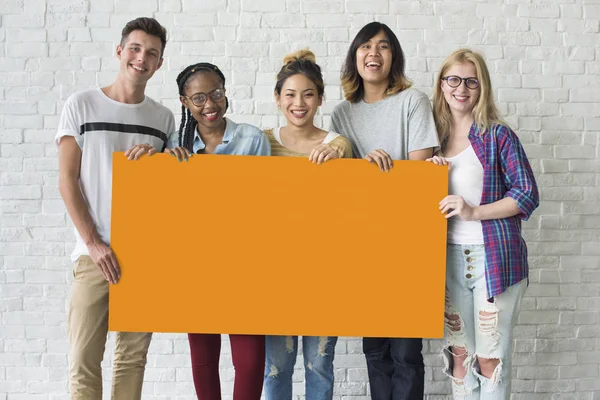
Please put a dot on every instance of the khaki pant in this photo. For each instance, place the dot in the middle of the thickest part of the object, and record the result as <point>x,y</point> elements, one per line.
<point>88,327</point>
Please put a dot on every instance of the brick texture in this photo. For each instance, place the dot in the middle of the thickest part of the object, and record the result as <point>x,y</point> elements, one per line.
<point>544,59</point>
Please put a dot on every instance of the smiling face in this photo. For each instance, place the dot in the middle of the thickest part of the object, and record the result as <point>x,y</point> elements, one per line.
<point>374,60</point>
<point>139,56</point>
<point>461,99</point>
<point>210,115</point>
<point>299,100</point>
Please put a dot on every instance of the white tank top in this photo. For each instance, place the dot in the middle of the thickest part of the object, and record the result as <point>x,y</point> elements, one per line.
<point>466,180</point>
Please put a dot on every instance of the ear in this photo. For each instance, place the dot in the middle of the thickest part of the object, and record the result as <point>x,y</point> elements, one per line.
<point>183,101</point>
<point>320,101</point>
<point>277,98</point>
<point>160,63</point>
<point>119,51</point>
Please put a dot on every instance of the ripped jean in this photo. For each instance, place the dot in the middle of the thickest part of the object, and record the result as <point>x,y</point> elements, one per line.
<point>487,336</point>
<point>318,352</point>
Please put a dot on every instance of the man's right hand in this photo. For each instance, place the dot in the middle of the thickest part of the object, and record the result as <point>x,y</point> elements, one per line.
<point>105,259</point>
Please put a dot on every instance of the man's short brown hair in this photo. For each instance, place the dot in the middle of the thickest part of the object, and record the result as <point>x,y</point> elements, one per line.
<point>148,25</point>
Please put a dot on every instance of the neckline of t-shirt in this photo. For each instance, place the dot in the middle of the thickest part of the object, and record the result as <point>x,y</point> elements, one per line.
<point>386,98</point>
<point>327,139</point>
<point>463,152</point>
<point>118,103</point>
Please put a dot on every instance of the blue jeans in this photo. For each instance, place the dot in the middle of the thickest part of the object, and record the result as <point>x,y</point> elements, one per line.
<point>477,327</point>
<point>318,354</point>
<point>396,369</point>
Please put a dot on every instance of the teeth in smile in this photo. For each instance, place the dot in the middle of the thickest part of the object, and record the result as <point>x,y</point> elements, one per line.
<point>137,68</point>
<point>211,114</point>
<point>461,97</point>
<point>299,113</point>
<point>373,64</point>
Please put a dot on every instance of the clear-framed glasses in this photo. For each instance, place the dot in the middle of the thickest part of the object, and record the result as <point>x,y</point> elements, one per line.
<point>199,99</point>
<point>454,81</point>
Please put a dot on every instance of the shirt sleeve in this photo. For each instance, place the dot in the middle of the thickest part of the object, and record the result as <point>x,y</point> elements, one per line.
<point>334,125</point>
<point>173,140</point>
<point>262,145</point>
<point>172,134</point>
<point>344,145</point>
<point>422,133</point>
<point>518,175</point>
<point>68,124</point>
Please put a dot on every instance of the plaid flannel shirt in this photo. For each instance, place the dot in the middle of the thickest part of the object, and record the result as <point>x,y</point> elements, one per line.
<point>506,173</point>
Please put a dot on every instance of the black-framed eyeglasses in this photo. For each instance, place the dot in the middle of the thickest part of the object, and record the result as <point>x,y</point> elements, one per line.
<point>199,99</point>
<point>454,81</point>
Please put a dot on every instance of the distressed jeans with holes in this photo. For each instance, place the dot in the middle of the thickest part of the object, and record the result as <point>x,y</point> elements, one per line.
<point>318,353</point>
<point>482,328</point>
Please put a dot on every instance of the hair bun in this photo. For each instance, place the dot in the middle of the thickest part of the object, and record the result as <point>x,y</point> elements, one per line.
<point>300,55</point>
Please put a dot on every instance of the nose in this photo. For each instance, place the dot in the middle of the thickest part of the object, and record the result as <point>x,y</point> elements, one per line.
<point>209,102</point>
<point>462,87</point>
<point>141,55</point>
<point>298,100</point>
<point>374,51</point>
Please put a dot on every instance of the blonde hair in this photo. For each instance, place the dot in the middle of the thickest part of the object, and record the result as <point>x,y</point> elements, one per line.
<point>484,112</point>
<point>301,62</point>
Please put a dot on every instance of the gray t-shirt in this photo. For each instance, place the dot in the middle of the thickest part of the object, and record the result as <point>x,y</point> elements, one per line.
<point>398,124</point>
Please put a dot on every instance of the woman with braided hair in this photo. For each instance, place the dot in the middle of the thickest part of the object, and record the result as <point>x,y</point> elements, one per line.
<point>205,130</point>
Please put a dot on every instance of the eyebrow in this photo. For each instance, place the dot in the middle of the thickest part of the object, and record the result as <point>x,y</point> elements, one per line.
<point>305,90</point>
<point>379,42</point>
<point>139,45</point>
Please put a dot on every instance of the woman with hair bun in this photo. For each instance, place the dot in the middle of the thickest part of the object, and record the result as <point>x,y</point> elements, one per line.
<point>299,93</point>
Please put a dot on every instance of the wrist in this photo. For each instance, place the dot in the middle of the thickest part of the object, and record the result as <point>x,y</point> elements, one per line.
<point>476,215</point>
<point>92,241</point>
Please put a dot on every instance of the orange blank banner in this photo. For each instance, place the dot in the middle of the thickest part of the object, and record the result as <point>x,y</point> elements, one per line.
<point>278,245</point>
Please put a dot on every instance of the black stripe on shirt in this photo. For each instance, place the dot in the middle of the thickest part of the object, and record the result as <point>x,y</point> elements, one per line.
<point>125,128</point>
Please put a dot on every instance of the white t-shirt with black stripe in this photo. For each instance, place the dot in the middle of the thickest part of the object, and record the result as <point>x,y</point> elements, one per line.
<point>102,126</point>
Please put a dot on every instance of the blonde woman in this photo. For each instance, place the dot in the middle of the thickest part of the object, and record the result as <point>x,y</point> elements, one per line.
<point>492,189</point>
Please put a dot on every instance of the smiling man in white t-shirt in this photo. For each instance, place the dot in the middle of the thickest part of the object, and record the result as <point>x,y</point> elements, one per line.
<point>94,124</point>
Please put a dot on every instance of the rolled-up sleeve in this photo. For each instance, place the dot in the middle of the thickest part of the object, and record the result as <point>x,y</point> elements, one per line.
<point>518,175</point>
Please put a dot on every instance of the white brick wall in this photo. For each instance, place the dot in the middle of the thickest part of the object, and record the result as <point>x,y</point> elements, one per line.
<point>544,58</point>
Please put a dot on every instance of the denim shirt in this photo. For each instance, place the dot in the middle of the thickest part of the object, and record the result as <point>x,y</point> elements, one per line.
<point>239,139</point>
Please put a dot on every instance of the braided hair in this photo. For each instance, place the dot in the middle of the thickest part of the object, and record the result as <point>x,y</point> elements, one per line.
<point>188,122</point>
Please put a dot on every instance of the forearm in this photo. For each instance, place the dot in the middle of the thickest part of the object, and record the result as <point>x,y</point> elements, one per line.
<point>78,211</point>
<point>420,155</point>
<point>504,208</point>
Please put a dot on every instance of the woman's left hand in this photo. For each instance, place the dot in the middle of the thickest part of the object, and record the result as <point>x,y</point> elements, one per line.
<point>459,207</point>
<point>322,153</point>
<point>135,152</point>
<point>437,160</point>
